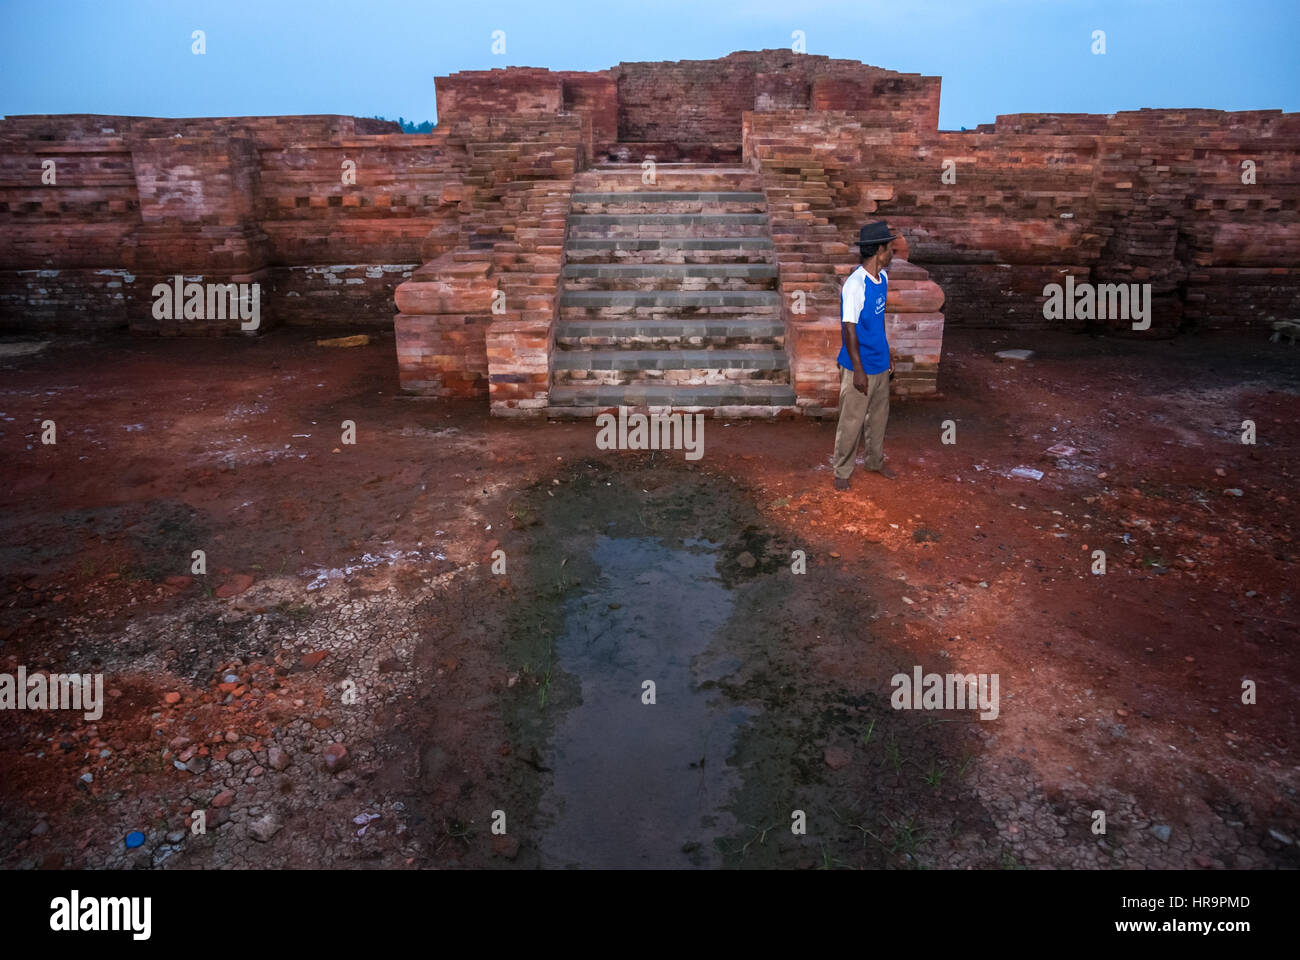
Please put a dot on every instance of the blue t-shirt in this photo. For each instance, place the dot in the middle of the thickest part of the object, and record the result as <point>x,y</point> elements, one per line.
<point>862,301</point>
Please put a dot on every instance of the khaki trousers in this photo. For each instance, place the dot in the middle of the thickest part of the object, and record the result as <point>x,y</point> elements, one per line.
<point>861,413</point>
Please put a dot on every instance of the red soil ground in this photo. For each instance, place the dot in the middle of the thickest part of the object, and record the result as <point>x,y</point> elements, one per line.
<point>1127,685</point>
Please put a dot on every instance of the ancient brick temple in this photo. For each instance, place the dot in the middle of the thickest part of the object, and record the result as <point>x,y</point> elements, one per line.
<point>536,260</point>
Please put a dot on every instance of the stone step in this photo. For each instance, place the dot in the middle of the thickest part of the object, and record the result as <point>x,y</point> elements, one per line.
<point>686,277</point>
<point>654,226</point>
<point>752,271</point>
<point>673,219</point>
<point>664,196</point>
<point>772,359</point>
<point>670,243</point>
<point>676,166</point>
<point>684,201</point>
<point>572,396</point>
<point>668,177</point>
<point>653,256</point>
<point>669,284</point>
<point>670,250</point>
<point>676,150</point>
<point>670,333</point>
<point>668,294</point>
<point>619,367</point>
<point>693,376</point>
<point>610,304</point>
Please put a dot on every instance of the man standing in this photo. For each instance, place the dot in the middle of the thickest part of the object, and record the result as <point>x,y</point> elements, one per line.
<point>866,367</point>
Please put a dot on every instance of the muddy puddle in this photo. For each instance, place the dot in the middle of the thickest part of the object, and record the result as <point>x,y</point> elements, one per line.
<point>634,576</point>
<point>639,772</point>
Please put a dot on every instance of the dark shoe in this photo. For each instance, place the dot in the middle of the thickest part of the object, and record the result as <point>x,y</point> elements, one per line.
<point>885,472</point>
<point>841,484</point>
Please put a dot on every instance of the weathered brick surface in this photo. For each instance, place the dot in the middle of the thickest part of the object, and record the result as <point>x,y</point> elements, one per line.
<point>691,110</point>
<point>69,299</point>
<point>1147,196</point>
<point>502,265</point>
<point>443,355</point>
<point>359,295</point>
<point>405,187</point>
<point>138,200</point>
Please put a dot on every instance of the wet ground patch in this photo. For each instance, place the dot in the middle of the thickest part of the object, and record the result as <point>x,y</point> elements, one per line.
<point>633,579</point>
<point>145,540</point>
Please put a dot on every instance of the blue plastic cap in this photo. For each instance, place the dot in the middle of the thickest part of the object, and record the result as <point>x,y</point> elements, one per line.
<point>134,839</point>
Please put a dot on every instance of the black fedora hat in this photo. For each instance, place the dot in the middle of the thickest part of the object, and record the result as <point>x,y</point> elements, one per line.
<point>877,232</point>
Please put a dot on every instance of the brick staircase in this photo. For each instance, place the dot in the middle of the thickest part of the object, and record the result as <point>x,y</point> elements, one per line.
<point>668,296</point>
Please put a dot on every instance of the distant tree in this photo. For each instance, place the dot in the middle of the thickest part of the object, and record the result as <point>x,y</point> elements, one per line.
<point>410,126</point>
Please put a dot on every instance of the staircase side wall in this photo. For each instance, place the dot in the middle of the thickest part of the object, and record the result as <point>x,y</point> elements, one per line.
<point>477,320</point>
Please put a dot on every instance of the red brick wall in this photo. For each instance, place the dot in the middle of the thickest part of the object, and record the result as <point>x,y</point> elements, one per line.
<point>68,299</point>
<point>702,101</point>
<point>693,101</point>
<point>594,95</point>
<point>471,96</point>
<point>400,194</point>
<point>502,92</point>
<point>141,199</point>
<point>325,295</point>
<point>691,109</point>
<point>1149,196</point>
<point>76,223</point>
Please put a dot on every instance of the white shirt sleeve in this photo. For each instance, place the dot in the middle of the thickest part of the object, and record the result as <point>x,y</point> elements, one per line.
<point>853,299</point>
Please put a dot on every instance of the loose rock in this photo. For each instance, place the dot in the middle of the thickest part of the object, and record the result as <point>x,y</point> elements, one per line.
<point>336,758</point>
<point>263,829</point>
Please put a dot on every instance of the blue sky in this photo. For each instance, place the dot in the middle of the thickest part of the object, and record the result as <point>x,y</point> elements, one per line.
<point>368,57</point>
